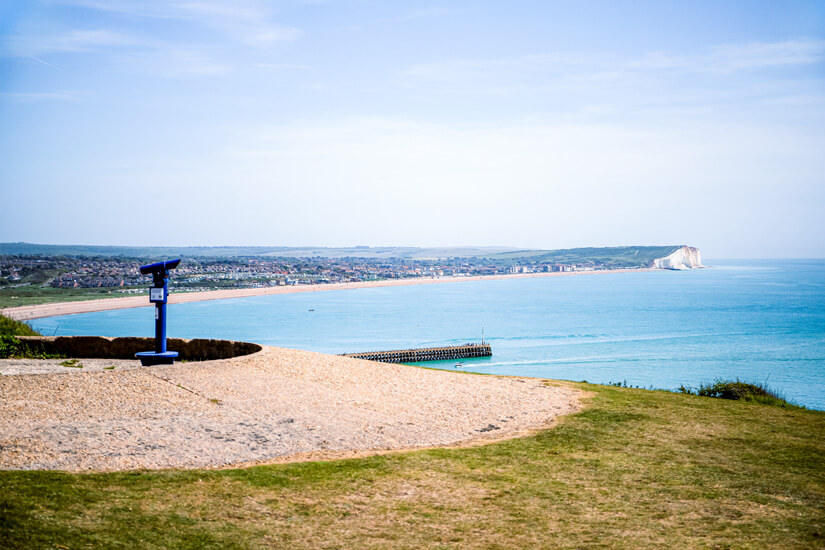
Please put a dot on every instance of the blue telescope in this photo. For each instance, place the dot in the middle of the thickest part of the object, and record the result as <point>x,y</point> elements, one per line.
<point>158,295</point>
<point>159,268</point>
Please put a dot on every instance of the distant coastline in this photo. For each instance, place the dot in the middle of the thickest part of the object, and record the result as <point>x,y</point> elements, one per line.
<point>40,311</point>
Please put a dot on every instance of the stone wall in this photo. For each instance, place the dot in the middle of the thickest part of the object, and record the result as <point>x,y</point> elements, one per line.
<point>125,348</point>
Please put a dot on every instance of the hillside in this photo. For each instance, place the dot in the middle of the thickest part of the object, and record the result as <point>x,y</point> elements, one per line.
<point>616,256</point>
<point>620,256</point>
<point>635,469</point>
<point>21,248</point>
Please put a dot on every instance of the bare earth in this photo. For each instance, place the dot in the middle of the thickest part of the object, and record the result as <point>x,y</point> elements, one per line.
<point>276,405</point>
<point>24,313</point>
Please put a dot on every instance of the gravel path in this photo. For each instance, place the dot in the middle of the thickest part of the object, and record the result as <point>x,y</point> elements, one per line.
<point>10,367</point>
<point>269,406</point>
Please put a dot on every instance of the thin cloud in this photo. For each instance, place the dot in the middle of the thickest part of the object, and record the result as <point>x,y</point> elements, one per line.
<point>262,37</point>
<point>423,13</point>
<point>45,96</point>
<point>755,55</point>
<point>148,56</point>
<point>566,80</point>
<point>176,63</point>
<point>76,41</point>
<point>188,63</point>
<point>247,22</point>
<point>171,9</point>
<point>46,63</point>
<point>281,66</point>
<point>726,57</point>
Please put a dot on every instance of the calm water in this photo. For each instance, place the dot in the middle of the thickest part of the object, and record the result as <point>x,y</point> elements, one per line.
<point>755,320</point>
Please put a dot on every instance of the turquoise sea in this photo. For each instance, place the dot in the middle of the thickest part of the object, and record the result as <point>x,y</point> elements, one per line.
<point>756,320</point>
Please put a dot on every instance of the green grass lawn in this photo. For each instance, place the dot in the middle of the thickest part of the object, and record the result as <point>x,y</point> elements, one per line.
<point>635,469</point>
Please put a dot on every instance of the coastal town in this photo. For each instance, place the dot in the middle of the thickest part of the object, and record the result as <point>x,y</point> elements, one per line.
<point>201,274</point>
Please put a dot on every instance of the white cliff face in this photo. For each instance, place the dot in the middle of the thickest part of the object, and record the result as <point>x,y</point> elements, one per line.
<point>686,257</point>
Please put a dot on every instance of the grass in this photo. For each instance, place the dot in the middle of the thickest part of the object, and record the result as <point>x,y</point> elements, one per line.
<point>616,256</point>
<point>10,346</point>
<point>36,294</point>
<point>10,327</point>
<point>636,468</point>
<point>756,392</point>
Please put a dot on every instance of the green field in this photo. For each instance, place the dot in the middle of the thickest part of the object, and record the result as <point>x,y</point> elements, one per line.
<point>635,469</point>
<point>33,295</point>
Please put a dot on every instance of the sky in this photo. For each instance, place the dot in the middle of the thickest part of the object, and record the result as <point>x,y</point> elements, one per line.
<point>534,124</point>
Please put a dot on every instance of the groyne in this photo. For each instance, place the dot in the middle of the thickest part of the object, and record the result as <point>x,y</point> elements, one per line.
<point>446,353</point>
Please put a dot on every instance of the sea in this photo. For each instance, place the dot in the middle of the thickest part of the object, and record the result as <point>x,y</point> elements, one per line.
<point>756,320</point>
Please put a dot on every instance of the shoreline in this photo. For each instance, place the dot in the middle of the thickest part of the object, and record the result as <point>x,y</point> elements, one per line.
<point>40,311</point>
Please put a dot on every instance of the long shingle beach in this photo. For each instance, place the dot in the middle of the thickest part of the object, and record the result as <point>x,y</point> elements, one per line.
<point>278,404</point>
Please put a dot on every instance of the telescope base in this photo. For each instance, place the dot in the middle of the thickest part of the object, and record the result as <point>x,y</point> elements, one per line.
<point>149,358</point>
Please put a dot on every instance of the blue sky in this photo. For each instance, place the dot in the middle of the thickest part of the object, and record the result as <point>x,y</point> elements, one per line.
<point>530,124</point>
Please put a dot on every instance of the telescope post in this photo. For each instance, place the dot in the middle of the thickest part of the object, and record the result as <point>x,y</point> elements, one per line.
<point>158,295</point>
<point>160,318</point>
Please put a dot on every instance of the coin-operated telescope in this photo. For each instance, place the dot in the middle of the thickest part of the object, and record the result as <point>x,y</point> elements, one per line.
<point>158,294</point>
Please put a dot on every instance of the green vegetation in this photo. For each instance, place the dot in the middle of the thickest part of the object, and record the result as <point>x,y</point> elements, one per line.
<point>33,295</point>
<point>635,469</point>
<point>11,347</point>
<point>616,256</point>
<point>742,391</point>
<point>10,327</point>
<point>72,363</point>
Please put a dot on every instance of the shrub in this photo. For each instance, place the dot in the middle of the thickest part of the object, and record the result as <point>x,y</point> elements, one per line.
<point>9,346</point>
<point>15,328</point>
<point>12,347</point>
<point>741,391</point>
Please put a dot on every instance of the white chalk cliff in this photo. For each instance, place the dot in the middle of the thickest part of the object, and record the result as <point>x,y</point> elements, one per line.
<point>686,257</point>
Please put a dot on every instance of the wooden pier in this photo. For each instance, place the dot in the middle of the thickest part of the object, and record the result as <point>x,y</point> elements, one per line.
<point>426,354</point>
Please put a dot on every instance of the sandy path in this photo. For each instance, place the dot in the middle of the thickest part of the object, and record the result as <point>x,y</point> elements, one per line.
<point>265,407</point>
<point>24,313</point>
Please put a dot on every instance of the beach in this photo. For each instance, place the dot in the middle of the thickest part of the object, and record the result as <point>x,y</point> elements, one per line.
<point>25,313</point>
<point>273,406</point>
